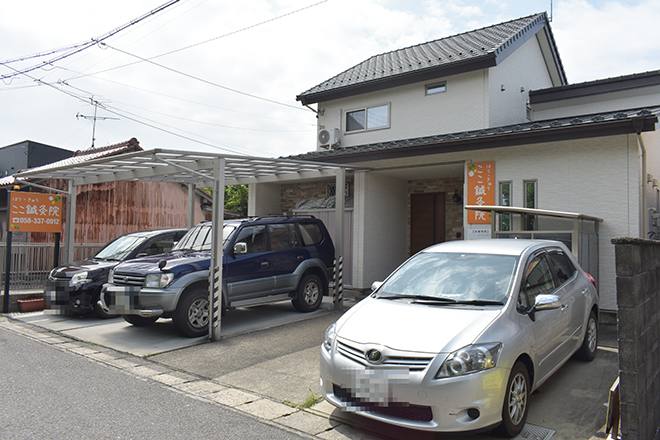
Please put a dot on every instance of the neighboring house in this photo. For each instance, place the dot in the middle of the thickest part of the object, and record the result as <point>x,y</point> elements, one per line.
<point>21,156</point>
<point>420,118</point>
<point>107,210</point>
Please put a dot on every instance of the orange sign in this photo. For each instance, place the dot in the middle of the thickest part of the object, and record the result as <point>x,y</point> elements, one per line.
<point>34,212</point>
<point>480,189</point>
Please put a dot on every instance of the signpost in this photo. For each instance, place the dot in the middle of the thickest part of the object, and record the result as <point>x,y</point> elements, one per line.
<point>30,212</point>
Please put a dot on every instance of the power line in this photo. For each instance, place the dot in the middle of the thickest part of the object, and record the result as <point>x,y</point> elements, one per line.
<point>83,46</point>
<point>202,42</point>
<point>202,79</point>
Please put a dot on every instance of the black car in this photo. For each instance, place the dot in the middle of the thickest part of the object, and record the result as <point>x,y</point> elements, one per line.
<point>75,287</point>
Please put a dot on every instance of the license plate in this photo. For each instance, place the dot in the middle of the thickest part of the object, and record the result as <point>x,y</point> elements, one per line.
<point>375,386</point>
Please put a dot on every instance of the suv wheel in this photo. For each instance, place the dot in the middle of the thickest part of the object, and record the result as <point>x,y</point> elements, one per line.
<point>310,294</point>
<point>140,321</point>
<point>191,316</point>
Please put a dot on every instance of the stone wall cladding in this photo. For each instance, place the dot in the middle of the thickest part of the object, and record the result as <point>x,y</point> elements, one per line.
<point>638,299</point>
<point>454,212</point>
<point>294,193</point>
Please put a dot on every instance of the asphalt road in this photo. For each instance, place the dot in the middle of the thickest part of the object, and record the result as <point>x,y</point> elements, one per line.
<point>52,394</point>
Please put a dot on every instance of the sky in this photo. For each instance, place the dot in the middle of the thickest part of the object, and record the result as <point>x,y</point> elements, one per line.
<point>222,76</point>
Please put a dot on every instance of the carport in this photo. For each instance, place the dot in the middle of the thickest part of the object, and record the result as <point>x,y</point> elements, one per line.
<point>195,170</point>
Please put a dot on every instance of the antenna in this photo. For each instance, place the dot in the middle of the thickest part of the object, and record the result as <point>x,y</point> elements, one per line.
<point>94,118</point>
<point>550,19</point>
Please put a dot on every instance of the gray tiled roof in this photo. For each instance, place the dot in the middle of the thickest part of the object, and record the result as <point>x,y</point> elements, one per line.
<point>537,127</point>
<point>461,48</point>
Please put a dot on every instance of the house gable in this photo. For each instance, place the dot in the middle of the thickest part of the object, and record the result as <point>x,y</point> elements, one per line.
<point>470,81</point>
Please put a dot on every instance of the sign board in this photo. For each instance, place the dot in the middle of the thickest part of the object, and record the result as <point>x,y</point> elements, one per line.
<point>478,234</point>
<point>480,190</point>
<point>35,212</point>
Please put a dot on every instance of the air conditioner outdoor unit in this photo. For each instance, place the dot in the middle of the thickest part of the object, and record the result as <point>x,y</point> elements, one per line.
<point>329,137</point>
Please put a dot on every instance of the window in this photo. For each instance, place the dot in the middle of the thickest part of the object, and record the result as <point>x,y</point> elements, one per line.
<point>283,236</point>
<point>436,88</point>
<point>505,200</point>
<point>563,268</point>
<point>254,237</point>
<point>311,233</point>
<point>370,118</point>
<point>530,202</point>
<point>538,281</point>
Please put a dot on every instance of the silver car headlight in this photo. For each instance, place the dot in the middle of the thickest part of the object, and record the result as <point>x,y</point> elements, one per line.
<point>470,359</point>
<point>329,337</point>
<point>159,280</point>
<point>79,278</point>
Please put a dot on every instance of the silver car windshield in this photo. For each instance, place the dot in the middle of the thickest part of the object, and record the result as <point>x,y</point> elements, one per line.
<point>452,277</point>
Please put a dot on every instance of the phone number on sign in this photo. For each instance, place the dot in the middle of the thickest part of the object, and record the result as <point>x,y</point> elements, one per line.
<point>36,221</point>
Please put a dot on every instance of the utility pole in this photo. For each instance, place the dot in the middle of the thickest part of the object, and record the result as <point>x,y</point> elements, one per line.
<point>94,118</point>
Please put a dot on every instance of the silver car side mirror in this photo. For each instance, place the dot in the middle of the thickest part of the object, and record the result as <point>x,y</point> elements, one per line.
<point>547,302</point>
<point>376,285</point>
<point>240,248</point>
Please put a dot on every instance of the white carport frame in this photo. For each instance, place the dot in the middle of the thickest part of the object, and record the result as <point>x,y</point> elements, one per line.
<point>194,169</point>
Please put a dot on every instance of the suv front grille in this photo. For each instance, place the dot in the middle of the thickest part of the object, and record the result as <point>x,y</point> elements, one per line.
<point>412,363</point>
<point>121,279</point>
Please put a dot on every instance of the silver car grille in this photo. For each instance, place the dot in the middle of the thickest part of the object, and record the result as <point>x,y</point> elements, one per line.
<point>120,279</point>
<point>392,359</point>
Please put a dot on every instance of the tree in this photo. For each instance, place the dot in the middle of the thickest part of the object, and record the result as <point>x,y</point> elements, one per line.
<point>236,198</point>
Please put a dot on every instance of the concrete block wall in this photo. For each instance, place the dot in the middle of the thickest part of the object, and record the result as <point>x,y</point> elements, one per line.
<point>638,299</point>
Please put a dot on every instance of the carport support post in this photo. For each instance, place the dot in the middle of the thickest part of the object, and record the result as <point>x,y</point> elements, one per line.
<point>70,233</point>
<point>191,205</point>
<point>215,271</point>
<point>340,202</point>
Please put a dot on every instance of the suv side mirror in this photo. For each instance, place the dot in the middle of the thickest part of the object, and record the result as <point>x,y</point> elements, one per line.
<point>240,248</point>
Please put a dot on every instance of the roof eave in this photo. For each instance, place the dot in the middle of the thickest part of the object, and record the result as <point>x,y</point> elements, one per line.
<point>610,128</point>
<point>455,68</point>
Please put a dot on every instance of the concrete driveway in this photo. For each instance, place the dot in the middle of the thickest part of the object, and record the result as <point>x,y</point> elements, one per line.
<point>273,352</point>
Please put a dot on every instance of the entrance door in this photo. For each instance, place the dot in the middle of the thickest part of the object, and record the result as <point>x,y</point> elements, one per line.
<point>427,220</point>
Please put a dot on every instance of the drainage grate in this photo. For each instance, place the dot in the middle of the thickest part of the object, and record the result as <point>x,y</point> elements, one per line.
<point>531,432</point>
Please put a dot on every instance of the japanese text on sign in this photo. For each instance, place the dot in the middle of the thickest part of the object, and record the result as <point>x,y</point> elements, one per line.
<point>480,189</point>
<point>33,212</point>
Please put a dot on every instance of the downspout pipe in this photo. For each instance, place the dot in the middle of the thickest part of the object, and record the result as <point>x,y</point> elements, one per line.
<point>638,124</point>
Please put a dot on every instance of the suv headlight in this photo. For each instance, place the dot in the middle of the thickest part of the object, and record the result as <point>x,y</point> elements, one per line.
<point>470,359</point>
<point>159,280</point>
<point>79,278</point>
<point>329,337</point>
<point>111,276</point>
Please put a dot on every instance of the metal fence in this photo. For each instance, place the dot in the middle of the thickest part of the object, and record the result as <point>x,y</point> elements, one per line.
<point>31,262</point>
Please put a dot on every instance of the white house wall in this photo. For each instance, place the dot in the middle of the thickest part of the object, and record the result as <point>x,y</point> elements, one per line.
<point>412,113</point>
<point>264,198</point>
<point>597,177</point>
<point>380,243</point>
<point>604,102</point>
<point>511,81</point>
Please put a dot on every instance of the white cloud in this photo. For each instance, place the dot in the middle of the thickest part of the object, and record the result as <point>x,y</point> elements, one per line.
<point>276,60</point>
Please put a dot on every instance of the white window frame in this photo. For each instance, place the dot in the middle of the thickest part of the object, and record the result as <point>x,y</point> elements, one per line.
<point>428,90</point>
<point>366,110</point>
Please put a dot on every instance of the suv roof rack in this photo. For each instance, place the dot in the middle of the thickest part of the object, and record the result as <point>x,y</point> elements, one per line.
<point>276,216</point>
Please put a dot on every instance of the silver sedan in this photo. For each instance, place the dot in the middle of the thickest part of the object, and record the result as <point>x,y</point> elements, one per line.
<point>457,338</point>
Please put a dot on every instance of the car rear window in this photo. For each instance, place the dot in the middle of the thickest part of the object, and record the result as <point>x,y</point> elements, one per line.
<point>311,233</point>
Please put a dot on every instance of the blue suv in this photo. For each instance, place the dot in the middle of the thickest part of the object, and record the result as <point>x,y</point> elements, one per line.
<point>266,259</point>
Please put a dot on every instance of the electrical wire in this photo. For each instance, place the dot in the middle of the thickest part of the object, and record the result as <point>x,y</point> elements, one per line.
<point>84,46</point>
<point>202,42</point>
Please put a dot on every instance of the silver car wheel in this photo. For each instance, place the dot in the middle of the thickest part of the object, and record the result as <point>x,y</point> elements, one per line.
<point>311,292</point>
<point>198,313</point>
<point>517,398</point>
<point>592,334</point>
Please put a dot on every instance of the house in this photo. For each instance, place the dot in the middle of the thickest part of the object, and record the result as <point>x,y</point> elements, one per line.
<point>107,210</point>
<point>424,121</point>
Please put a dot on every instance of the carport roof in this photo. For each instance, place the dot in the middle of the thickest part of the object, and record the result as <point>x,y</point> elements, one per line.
<point>183,167</point>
